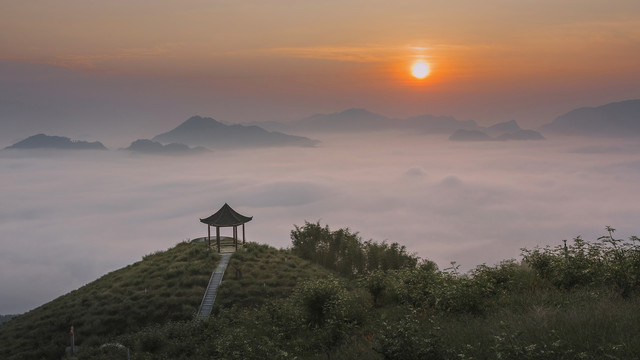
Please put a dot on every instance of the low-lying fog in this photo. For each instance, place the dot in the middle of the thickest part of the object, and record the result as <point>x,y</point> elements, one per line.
<point>69,217</point>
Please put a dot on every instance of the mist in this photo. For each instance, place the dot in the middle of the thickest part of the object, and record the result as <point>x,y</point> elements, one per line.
<point>68,217</point>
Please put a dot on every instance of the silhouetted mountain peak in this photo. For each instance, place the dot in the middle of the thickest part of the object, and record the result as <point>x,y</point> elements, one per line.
<point>42,141</point>
<point>199,123</point>
<point>205,131</point>
<point>618,119</point>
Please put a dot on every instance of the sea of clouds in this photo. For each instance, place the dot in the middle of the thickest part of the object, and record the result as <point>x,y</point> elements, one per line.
<point>69,217</point>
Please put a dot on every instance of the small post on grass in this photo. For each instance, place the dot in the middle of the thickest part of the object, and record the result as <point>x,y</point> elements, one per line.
<point>73,342</point>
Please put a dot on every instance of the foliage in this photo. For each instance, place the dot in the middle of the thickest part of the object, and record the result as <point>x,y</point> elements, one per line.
<point>5,318</point>
<point>257,273</point>
<point>410,337</point>
<point>345,252</point>
<point>608,261</point>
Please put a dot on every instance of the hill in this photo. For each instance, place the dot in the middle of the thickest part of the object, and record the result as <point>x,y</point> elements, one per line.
<point>618,119</point>
<point>5,318</point>
<point>164,286</point>
<point>334,295</point>
<point>505,134</point>
<point>502,128</point>
<point>42,141</point>
<point>362,120</point>
<point>205,131</point>
<point>145,146</point>
<point>372,301</point>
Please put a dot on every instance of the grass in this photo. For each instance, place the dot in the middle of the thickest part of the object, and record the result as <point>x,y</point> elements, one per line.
<point>258,273</point>
<point>164,286</point>
<point>578,322</point>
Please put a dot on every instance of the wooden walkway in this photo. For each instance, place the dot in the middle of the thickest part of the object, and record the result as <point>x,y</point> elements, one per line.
<point>212,289</point>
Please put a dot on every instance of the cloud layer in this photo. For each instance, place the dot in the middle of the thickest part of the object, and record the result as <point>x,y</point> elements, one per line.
<point>68,218</point>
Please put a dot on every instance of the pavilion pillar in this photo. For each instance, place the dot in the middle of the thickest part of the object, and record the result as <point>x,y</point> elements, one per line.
<point>243,234</point>
<point>235,236</point>
<point>209,234</point>
<point>218,237</point>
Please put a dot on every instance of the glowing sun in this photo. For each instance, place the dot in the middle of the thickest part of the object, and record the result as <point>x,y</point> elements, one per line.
<point>420,69</point>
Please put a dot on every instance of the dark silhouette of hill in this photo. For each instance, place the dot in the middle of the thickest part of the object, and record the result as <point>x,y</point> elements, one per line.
<point>618,119</point>
<point>42,141</point>
<point>478,135</point>
<point>146,146</point>
<point>205,131</point>
<point>502,128</point>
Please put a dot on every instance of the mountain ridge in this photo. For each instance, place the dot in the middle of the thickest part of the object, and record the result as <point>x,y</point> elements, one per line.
<point>42,141</point>
<point>208,132</point>
<point>615,119</point>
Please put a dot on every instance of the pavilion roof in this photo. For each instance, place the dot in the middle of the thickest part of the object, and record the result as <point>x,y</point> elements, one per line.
<point>226,216</point>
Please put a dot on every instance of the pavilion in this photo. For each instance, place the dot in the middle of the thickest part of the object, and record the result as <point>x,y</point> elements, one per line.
<point>226,217</point>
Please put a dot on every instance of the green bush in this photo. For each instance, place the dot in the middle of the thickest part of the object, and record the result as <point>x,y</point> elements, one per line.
<point>607,262</point>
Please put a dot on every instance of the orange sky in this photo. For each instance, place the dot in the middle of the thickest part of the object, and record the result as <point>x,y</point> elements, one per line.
<point>491,60</point>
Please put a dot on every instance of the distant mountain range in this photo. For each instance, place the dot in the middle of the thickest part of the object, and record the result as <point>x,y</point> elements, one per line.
<point>42,141</point>
<point>205,131</point>
<point>361,120</point>
<point>146,146</point>
<point>618,119</point>
<point>506,131</point>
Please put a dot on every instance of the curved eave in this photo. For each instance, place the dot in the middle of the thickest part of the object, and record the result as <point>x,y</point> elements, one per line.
<point>226,224</point>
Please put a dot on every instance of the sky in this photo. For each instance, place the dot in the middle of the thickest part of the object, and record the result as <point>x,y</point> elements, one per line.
<point>96,68</point>
<point>116,71</point>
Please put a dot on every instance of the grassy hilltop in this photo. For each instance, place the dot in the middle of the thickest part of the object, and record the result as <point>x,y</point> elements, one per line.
<point>333,295</point>
<point>166,285</point>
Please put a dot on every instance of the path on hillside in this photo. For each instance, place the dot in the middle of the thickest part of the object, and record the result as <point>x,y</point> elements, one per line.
<point>212,288</point>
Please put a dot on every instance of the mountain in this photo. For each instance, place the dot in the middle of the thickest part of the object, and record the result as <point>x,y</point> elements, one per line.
<point>361,120</point>
<point>42,141</point>
<point>503,128</point>
<point>146,146</point>
<point>163,289</point>
<point>205,131</point>
<point>469,135</point>
<point>478,135</point>
<point>618,119</point>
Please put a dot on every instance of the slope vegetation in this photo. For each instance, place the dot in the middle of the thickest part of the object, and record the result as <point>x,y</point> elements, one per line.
<point>164,286</point>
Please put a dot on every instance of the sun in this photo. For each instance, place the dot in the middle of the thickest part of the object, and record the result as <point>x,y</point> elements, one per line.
<point>420,69</point>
